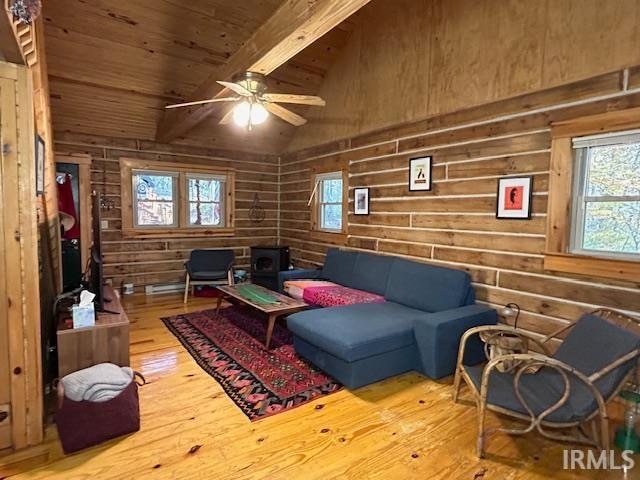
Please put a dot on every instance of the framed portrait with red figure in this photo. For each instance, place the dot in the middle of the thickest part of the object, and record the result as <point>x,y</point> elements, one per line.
<point>514,197</point>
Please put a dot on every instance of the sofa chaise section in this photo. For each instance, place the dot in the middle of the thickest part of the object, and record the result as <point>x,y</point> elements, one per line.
<point>419,327</point>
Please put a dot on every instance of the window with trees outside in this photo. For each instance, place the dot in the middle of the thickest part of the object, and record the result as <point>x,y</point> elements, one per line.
<point>154,199</point>
<point>606,197</point>
<point>206,200</point>
<point>330,197</point>
<point>175,199</point>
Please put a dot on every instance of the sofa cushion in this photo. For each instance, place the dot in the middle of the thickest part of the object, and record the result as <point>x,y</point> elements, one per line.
<point>296,288</point>
<point>426,287</point>
<point>371,272</point>
<point>338,266</point>
<point>356,331</point>
<point>336,295</point>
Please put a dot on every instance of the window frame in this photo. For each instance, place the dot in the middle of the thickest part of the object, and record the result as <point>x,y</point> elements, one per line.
<point>580,199</point>
<point>318,174</point>
<point>222,202</point>
<point>559,255</point>
<point>181,225</point>
<point>135,201</point>
<point>320,178</point>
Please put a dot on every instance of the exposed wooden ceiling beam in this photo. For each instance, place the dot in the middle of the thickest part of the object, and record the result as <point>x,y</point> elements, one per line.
<point>293,27</point>
<point>9,48</point>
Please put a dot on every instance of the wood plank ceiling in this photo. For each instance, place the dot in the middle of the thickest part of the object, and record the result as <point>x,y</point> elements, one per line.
<point>114,65</point>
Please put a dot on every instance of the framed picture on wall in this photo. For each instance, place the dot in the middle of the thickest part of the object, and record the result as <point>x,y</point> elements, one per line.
<point>514,198</point>
<point>40,152</point>
<point>361,201</point>
<point>420,174</point>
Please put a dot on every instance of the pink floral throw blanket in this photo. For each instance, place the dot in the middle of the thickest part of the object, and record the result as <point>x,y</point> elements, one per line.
<point>332,296</point>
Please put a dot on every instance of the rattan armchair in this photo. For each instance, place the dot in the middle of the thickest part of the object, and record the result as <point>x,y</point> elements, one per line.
<point>566,391</point>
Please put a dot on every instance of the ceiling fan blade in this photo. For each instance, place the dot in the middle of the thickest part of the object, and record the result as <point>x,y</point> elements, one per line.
<point>285,114</point>
<point>227,117</point>
<point>201,102</point>
<point>298,99</point>
<point>234,87</point>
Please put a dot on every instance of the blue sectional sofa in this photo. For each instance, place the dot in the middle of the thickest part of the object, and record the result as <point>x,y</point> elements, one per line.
<point>427,310</point>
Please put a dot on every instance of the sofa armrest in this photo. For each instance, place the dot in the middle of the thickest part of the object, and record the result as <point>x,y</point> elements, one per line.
<point>438,338</point>
<point>311,273</point>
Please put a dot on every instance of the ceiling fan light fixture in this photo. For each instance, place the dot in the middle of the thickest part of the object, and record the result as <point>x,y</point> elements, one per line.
<point>245,113</point>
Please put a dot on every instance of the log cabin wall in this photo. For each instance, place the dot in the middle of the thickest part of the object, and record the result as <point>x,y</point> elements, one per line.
<point>454,225</point>
<point>161,260</point>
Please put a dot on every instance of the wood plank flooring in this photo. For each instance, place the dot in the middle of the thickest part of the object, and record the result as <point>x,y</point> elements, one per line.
<point>404,427</point>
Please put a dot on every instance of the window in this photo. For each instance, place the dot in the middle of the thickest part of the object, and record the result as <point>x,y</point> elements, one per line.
<point>606,206</point>
<point>175,199</point>
<point>154,199</point>
<point>206,200</point>
<point>593,214</point>
<point>329,191</point>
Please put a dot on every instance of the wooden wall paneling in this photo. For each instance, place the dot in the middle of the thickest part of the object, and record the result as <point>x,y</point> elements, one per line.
<point>10,50</point>
<point>30,300</point>
<point>572,51</point>
<point>6,433</point>
<point>465,31</point>
<point>454,224</point>
<point>12,261</point>
<point>480,53</point>
<point>20,260</point>
<point>48,202</point>
<point>392,87</point>
<point>149,261</point>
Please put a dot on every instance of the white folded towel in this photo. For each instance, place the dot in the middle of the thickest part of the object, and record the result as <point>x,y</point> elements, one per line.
<point>99,383</point>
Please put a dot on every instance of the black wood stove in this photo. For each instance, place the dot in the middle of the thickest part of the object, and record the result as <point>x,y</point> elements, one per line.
<point>266,262</point>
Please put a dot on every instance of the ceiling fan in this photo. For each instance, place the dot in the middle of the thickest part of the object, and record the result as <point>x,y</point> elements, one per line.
<point>255,103</point>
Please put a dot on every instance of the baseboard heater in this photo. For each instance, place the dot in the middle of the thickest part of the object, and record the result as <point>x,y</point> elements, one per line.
<point>163,288</point>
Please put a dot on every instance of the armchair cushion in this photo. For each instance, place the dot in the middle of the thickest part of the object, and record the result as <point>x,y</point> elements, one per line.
<point>592,344</point>
<point>207,274</point>
<point>540,391</point>
<point>209,264</point>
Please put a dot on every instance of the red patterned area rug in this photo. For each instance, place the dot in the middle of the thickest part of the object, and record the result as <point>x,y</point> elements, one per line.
<point>230,348</point>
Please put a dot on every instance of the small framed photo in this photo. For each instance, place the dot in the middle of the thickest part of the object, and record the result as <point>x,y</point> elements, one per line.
<point>40,152</point>
<point>420,174</point>
<point>514,197</point>
<point>361,201</point>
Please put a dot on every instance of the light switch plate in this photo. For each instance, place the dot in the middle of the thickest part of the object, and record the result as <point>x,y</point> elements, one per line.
<point>104,224</point>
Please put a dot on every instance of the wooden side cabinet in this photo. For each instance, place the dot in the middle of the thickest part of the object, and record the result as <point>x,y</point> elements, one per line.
<point>106,341</point>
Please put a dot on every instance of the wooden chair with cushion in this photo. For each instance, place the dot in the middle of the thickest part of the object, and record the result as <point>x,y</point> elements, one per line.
<point>209,267</point>
<point>566,391</point>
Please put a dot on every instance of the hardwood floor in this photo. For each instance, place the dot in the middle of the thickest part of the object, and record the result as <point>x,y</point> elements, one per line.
<point>404,427</point>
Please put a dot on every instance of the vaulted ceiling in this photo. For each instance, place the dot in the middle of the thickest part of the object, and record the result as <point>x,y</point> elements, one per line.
<point>114,65</point>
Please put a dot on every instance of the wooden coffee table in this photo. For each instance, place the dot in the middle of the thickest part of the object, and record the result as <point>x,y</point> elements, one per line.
<point>272,303</point>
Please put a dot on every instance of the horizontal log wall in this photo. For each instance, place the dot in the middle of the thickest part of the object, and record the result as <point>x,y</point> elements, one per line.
<point>161,260</point>
<point>454,224</point>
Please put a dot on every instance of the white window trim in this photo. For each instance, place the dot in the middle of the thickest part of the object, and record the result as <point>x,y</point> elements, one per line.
<point>337,175</point>
<point>203,176</point>
<point>175,176</point>
<point>582,146</point>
